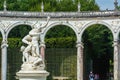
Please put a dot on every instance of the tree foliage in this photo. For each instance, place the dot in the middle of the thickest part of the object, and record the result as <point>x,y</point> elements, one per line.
<point>98,48</point>
<point>118,7</point>
<point>60,31</point>
<point>62,42</point>
<point>98,41</point>
<point>19,31</point>
<point>49,5</point>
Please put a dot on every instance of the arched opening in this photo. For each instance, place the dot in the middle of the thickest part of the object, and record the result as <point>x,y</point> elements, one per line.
<point>61,54</point>
<point>98,51</point>
<point>14,58</point>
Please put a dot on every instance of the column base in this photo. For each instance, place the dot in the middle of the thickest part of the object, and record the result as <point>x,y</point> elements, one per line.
<point>32,75</point>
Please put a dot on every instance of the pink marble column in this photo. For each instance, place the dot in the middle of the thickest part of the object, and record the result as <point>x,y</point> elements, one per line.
<point>79,61</point>
<point>42,50</point>
<point>116,55</point>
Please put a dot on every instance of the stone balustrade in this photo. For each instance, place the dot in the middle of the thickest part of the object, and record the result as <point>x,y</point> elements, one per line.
<point>83,14</point>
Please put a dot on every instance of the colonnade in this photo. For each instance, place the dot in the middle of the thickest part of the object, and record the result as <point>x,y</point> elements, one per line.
<point>80,48</point>
<point>78,27</point>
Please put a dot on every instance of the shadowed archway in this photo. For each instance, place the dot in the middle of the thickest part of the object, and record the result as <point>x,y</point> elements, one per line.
<point>98,51</point>
<point>61,54</point>
<point>14,58</point>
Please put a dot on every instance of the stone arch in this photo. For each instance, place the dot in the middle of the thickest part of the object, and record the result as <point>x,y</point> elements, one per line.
<point>118,34</point>
<point>96,22</point>
<point>2,30</point>
<point>17,24</point>
<point>14,50</point>
<point>44,32</point>
<point>59,23</point>
<point>106,24</point>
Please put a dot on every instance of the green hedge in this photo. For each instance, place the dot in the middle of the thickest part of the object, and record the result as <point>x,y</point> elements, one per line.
<point>69,67</point>
<point>61,62</point>
<point>64,42</point>
<point>15,42</point>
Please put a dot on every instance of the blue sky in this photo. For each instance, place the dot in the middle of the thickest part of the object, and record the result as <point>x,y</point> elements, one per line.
<point>104,4</point>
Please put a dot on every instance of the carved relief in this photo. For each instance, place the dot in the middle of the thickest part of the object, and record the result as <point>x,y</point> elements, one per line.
<point>6,25</point>
<point>79,25</point>
<point>115,25</point>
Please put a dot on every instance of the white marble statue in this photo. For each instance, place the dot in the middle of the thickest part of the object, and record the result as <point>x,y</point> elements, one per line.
<point>31,53</point>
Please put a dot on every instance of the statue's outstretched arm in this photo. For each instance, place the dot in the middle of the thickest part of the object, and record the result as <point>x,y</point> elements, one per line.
<point>43,26</point>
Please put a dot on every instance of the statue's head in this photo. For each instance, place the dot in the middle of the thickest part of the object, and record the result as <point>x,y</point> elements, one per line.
<point>22,48</point>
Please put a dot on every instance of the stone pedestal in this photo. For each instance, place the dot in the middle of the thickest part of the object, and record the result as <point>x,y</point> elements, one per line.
<point>32,75</point>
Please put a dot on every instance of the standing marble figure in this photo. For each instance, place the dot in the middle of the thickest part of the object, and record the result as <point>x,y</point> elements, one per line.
<point>33,67</point>
<point>31,53</point>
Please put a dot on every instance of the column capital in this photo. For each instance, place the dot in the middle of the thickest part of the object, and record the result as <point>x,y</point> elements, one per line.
<point>42,44</point>
<point>79,44</point>
<point>4,44</point>
<point>116,43</point>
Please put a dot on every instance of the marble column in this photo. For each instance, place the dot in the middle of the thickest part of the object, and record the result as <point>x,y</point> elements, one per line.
<point>116,55</point>
<point>119,61</point>
<point>79,61</point>
<point>42,50</point>
<point>4,60</point>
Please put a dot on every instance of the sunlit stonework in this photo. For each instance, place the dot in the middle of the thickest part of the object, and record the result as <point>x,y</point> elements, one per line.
<point>33,61</point>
